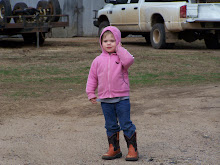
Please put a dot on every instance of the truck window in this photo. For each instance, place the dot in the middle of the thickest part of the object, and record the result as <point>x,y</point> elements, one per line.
<point>134,1</point>
<point>165,0</point>
<point>122,1</point>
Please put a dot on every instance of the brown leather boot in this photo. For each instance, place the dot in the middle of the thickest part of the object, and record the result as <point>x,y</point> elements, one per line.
<point>114,148</point>
<point>132,148</point>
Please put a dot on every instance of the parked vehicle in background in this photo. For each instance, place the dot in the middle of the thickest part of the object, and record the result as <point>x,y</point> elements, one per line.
<point>164,22</point>
<point>32,23</point>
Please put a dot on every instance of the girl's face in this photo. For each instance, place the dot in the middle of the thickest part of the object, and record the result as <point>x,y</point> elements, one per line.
<point>109,43</point>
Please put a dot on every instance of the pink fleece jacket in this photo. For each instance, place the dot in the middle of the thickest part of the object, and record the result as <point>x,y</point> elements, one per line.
<point>109,72</point>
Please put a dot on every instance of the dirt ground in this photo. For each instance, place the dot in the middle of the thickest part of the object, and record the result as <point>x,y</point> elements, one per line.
<point>175,125</point>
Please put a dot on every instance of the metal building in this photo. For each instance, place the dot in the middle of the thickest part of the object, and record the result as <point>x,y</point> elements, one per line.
<point>80,16</point>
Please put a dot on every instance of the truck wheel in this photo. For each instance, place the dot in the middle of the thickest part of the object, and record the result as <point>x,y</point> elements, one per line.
<point>212,41</point>
<point>30,38</point>
<point>158,36</point>
<point>102,26</point>
<point>54,9</point>
<point>123,35</point>
<point>42,7</point>
<point>19,7</point>
<point>5,10</point>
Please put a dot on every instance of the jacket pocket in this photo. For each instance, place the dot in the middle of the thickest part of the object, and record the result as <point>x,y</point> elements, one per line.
<point>121,83</point>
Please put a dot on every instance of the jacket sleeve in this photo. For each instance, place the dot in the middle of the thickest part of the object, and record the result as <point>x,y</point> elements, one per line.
<point>92,81</point>
<point>125,57</point>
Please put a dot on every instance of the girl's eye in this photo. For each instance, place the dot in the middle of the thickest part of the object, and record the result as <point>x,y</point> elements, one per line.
<point>109,41</point>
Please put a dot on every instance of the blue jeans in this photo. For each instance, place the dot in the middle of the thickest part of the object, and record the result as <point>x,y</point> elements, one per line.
<point>114,112</point>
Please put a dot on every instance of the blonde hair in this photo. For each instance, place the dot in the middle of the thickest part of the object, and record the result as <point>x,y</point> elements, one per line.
<point>105,34</point>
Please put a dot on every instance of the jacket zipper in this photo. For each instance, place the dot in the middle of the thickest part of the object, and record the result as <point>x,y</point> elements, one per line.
<point>109,85</point>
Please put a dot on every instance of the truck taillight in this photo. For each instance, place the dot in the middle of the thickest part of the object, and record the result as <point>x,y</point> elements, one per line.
<point>183,11</point>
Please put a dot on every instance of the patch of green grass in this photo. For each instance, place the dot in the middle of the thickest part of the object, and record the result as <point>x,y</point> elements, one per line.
<point>170,78</point>
<point>9,72</point>
<point>31,74</point>
<point>167,68</point>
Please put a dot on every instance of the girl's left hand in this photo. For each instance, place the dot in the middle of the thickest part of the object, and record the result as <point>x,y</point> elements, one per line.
<point>93,100</point>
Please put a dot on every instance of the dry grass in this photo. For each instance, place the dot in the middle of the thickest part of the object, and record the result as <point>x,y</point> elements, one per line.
<point>61,66</point>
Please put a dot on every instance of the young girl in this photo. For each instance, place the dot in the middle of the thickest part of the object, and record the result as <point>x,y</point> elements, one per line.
<point>109,72</point>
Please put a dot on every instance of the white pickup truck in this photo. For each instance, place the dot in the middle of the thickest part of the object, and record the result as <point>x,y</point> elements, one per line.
<point>164,22</point>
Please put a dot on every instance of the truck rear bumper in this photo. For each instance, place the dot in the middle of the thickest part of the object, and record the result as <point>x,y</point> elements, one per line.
<point>200,25</point>
<point>204,20</point>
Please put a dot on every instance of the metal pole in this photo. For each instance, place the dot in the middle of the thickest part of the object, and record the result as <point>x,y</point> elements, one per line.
<point>38,40</point>
<point>38,29</point>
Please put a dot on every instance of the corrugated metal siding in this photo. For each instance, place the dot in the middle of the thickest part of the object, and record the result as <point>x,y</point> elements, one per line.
<point>88,14</point>
<point>80,16</point>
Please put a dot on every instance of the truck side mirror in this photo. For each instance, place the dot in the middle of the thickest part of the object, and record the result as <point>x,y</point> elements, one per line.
<point>111,1</point>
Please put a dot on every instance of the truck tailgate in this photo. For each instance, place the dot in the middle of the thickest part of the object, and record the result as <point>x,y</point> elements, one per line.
<point>207,12</point>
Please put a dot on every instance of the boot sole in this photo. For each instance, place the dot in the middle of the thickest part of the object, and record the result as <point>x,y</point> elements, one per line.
<point>119,155</point>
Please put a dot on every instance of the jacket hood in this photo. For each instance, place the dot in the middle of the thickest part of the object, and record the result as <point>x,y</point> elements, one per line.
<point>115,31</point>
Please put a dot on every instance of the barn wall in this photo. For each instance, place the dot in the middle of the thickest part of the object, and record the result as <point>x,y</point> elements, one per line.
<point>69,7</point>
<point>88,15</point>
<point>80,16</point>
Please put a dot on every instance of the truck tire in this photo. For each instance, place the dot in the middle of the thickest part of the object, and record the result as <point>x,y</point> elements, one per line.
<point>5,10</point>
<point>102,26</point>
<point>54,9</point>
<point>30,38</point>
<point>19,6</point>
<point>42,4</point>
<point>124,34</point>
<point>212,41</point>
<point>42,7</point>
<point>158,36</point>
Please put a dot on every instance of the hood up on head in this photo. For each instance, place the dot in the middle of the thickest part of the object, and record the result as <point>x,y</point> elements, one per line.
<point>115,31</point>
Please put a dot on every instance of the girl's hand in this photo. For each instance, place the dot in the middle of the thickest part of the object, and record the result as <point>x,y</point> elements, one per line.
<point>93,100</point>
<point>119,45</point>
